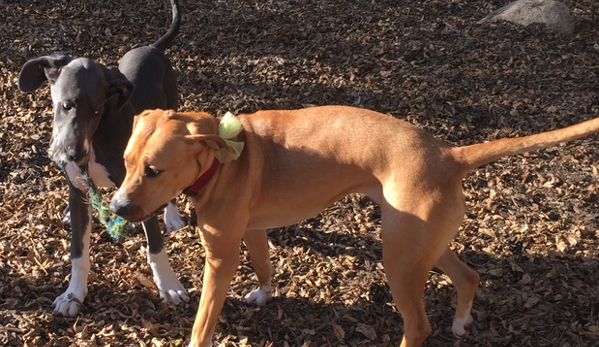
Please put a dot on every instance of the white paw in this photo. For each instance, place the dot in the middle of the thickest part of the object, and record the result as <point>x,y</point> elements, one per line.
<point>172,218</point>
<point>68,303</point>
<point>461,326</point>
<point>259,296</point>
<point>170,289</point>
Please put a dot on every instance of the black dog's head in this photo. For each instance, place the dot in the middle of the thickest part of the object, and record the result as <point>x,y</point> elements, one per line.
<point>80,91</point>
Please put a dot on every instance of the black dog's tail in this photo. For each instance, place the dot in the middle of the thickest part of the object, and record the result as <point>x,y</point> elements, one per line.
<point>167,39</point>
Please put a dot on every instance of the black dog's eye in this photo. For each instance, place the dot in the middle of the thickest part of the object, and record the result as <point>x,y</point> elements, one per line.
<point>67,105</point>
<point>151,171</point>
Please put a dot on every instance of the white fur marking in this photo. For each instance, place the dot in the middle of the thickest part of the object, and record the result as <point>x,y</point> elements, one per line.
<point>97,172</point>
<point>259,296</point>
<point>68,302</point>
<point>172,218</point>
<point>66,219</point>
<point>460,323</point>
<point>169,287</point>
<point>171,290</point>
<point>75,176</point>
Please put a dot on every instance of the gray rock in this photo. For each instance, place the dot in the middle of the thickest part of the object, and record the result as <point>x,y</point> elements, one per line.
<point>556,16</point>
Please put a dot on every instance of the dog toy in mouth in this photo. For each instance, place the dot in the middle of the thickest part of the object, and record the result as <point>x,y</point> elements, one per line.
<point>115,225</point>
<point>228,128</point>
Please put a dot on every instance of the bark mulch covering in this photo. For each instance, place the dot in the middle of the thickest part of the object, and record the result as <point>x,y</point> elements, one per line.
<point>531,227</point>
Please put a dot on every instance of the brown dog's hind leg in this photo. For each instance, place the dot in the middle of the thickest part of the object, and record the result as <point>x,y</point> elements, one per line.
<point>466,281</point>
<point>407,257</point>
<point>257,245</point>
<point>417,226</point>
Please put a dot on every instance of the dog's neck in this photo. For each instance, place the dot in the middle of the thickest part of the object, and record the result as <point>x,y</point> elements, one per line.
<point>202,180</point>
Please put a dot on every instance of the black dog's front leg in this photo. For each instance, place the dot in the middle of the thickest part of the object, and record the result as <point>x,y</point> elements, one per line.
<point>81,224</point>
<point>171,290</point>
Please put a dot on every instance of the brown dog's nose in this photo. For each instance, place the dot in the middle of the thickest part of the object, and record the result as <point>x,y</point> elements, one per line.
<point>120,207</point>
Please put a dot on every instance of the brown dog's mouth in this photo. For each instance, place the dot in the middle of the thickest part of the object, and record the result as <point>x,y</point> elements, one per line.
<point>159,209</point>
<point>156,211</point>
<point>139,215</point>
<point>137,219</point>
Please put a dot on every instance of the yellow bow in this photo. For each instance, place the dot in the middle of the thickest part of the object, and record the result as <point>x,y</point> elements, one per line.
<point>228,128</point>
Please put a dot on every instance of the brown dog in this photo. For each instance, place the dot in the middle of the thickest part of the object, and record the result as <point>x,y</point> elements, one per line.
<point>295,164</point>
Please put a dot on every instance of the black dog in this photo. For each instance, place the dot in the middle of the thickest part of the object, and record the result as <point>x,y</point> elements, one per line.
<point>94,106</point>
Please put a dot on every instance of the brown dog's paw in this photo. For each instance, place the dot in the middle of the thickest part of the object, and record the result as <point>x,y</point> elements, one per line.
<point>259,296</point>
<point>463,326</point>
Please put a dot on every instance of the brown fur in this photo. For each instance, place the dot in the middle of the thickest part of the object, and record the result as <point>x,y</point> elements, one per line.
<point>296,163</point>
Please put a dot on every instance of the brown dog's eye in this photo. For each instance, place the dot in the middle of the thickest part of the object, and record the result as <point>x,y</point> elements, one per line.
<point>151,172</point>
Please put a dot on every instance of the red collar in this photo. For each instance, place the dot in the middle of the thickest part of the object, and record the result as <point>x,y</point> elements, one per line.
<point>203,180</point>
<point>206,176</point>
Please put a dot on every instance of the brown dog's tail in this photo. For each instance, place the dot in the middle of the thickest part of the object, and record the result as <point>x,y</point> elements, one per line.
<point>473,156</point>
<point>167,39</point>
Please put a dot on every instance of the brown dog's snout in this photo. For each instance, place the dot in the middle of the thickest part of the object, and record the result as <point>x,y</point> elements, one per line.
<point>121,206</point>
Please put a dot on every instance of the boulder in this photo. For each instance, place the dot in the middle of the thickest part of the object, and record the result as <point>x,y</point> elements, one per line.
<point>555,15</point>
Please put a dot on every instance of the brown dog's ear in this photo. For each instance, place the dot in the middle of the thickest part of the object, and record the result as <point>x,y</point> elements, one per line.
<point>224,150</point>
<point>213,141</point>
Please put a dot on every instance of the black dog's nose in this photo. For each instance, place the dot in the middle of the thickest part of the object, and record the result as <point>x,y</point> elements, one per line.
<point>74,155</point>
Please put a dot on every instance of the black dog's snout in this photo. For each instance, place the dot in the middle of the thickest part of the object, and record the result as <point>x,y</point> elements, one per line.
<point>75,155</point>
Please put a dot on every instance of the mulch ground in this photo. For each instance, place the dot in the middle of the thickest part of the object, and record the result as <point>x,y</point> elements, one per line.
<point>531,227</point>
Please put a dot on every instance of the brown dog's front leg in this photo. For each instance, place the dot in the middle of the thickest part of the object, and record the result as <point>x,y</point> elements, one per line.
<point>221,264</point>
<point>257,245</point>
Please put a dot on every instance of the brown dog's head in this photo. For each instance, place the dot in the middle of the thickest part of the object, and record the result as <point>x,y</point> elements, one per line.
<point>166,153</point>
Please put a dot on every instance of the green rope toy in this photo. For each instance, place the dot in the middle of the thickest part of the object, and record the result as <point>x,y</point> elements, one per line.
<point>115,225</point>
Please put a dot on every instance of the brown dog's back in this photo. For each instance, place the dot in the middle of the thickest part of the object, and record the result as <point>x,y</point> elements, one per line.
<point>355,148</point>
<point>362,151</point>
<point>376,137</point>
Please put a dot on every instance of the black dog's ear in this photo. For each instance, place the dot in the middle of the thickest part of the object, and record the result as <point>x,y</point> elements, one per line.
<point>122,87</point>
<point>118,84</point>
<point>38,70</point>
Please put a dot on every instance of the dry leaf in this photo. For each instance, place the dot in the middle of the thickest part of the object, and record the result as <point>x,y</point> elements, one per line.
<point>338,331</point>
<point>146,282</point>
<point>366,330</point>
<point>533,300</point>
